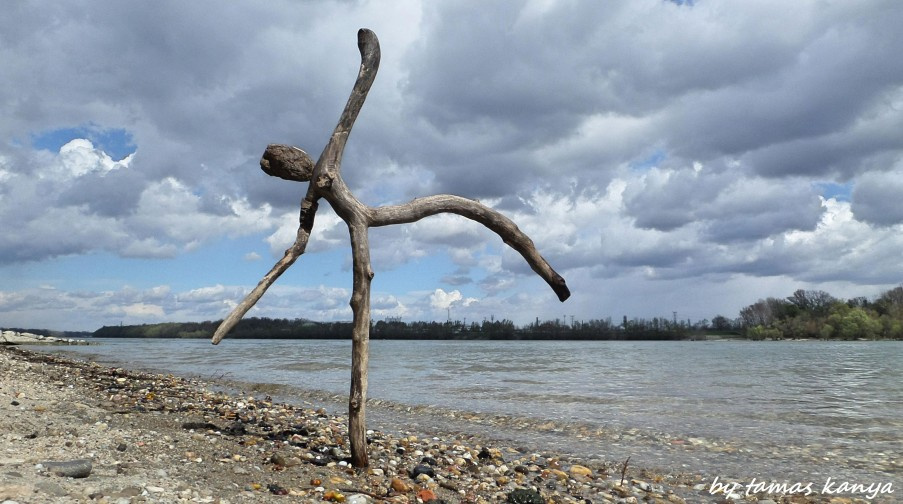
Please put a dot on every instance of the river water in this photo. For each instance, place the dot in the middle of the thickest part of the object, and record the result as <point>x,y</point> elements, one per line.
<point>785,411</point>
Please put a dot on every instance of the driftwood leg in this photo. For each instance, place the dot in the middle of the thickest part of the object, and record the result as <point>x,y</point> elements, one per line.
<point>360,344</point>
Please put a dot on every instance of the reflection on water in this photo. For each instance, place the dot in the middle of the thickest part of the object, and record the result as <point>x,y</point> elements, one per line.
<point>761,408</point>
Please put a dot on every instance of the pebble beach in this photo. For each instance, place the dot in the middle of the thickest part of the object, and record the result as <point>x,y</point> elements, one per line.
<point>76,431</point>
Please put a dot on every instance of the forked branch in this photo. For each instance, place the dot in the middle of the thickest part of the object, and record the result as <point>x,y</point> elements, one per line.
<point>506,229</point>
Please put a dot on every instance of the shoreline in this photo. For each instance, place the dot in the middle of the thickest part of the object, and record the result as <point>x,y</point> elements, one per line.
<point>160,438</point>
<point>26,338</point>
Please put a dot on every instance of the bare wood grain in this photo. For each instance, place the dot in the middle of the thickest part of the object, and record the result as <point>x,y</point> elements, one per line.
<point>504,227</point>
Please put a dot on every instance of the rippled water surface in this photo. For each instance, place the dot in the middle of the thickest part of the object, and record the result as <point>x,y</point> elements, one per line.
<point>786,410</point>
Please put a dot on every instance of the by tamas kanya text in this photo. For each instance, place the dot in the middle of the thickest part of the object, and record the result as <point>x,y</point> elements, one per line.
<point>830,487</point>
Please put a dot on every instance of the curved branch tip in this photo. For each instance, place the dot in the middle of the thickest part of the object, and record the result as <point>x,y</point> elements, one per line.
<point>367,42</point>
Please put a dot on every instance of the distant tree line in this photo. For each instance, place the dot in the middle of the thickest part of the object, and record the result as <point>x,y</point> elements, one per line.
<point>805,314</point>
<point>248,328</point>
<point>636,329</point>
<point>817,314</point>
<point>275,328</point>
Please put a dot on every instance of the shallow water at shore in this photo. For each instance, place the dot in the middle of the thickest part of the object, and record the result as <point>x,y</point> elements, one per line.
<point>795,411</point>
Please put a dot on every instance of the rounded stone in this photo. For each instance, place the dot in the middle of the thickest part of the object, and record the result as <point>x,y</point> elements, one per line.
<point>423,469</point>
<point>79,468</point>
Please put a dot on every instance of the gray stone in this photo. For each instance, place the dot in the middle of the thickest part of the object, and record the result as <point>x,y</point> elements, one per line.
<point>423,469</point>
<point>51,488</point>
<point>79,468</point>
<point>525,496</point>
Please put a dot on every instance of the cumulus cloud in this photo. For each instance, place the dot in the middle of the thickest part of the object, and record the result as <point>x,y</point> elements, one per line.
<point>70,202</point>
<point>86,310</point>
<point>442,300</point>
<point>139,311</point>
<point>876,198</point>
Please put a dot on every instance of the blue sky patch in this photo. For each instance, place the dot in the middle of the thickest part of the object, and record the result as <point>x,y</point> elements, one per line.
<point>651,161</point>
<point>840,192</point>
<point>116,142</point>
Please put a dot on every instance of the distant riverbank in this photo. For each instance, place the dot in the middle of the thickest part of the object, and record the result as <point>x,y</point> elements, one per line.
<point>488,330</point>
<point>25,338</point>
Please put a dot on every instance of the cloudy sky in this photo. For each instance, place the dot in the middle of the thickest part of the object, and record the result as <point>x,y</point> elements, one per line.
<point>687,157</point>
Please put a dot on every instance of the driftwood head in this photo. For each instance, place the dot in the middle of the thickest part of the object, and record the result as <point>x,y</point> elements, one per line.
<point>287,162</point>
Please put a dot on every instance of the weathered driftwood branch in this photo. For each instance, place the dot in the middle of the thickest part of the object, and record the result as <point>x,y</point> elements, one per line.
<point>292,163</point>
<point>474,210</point>
<point>308,211</point>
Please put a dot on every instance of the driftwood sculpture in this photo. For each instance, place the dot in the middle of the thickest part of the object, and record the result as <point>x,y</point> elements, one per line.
<point>292,163</point>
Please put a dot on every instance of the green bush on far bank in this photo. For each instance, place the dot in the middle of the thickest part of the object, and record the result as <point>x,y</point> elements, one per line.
<point>818,315</point>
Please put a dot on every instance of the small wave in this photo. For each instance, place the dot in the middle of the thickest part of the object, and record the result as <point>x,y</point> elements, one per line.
<point>309,367</point>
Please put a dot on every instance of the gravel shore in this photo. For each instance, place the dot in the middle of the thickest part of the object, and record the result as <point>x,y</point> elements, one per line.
<point>76,431</point>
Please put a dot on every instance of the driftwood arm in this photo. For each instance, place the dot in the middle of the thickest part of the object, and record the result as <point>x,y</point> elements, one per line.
<point>292,163</point>
<point>329,164</point>
<point>506,229</point>
<point>308,211</point>
<point>368,45</point>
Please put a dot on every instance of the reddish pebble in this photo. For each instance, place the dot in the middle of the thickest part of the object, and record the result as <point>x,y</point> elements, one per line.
<point>426,495</point>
